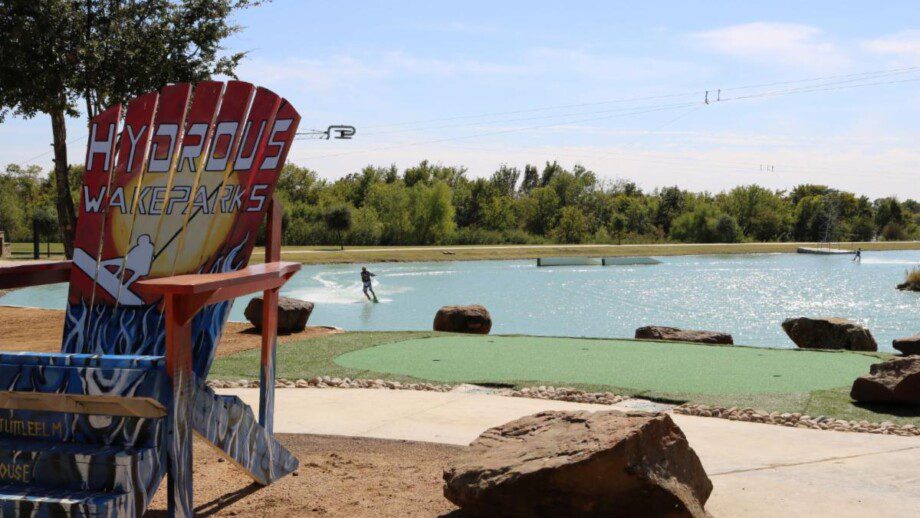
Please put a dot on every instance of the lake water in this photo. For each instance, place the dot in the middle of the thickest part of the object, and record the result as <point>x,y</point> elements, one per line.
<point>746,295</point>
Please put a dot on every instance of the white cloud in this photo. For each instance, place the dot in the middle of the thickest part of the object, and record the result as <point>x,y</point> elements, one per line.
<point>899,43</point>
<point>776,43</point>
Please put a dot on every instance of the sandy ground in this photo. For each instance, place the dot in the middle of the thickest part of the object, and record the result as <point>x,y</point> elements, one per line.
<point>40,330</point>
<point>338,476</point>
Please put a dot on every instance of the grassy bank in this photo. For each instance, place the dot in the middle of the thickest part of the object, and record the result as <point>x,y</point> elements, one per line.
<point>24,252</point>
<point>317,255</point>
<point>330,254</point>
<point>812,382</point>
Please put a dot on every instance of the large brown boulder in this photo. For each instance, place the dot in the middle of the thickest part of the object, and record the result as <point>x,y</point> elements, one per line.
<point>557,463</point>
<point>683,335</point>
<point>829,333</point>
<point>463,319</point>
<point>292,314</point>
<point>909,345</point>
<point>893,381</point>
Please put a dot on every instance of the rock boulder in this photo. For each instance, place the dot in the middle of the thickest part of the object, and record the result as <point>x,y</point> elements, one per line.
<point>463,319</point>
<point>829,333</point>
<point>909,345</point>
<point>292,314</point>
<point>909,286</point>
<point>557,463</point>
<point>683,335</point>
<point>894,381</point>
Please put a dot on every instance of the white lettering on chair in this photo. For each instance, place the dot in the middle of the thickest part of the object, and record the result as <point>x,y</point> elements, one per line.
<point>201,200</point>
<point>232,199</point>
<point>180,194</point>
<point>161,165</point>
<point>103,147</point>
<point>157,198</point>
<point>118,199</point>
<point>141,197</point>
<point>224,129</point>
<point>191,153</point>
<point>243,163</point>
<point>133,139</point>
<point>91,204</point>
<point>257,194</point>
<point>271,162</point>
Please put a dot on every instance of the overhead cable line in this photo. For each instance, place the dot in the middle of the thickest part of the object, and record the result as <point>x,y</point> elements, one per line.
<point>693,93</point>
<point>829,86</point>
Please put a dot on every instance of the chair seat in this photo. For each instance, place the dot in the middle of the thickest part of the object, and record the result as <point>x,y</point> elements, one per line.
<point>41,502</point>
<point>112,361</point>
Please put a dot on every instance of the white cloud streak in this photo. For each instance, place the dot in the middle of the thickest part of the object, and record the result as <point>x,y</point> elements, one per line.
<point>775,43</point>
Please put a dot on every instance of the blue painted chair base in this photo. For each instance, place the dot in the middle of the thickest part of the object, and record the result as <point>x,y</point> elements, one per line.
<point>38,502</point>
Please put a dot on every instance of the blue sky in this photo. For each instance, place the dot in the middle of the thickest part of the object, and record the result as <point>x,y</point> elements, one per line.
<point>484,83</point>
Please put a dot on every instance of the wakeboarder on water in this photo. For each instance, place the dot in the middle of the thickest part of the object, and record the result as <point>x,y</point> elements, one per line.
<point>366,281</point>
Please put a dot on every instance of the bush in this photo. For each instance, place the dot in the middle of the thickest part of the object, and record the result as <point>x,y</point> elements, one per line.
<point>705,225</point>
<point>913,276</point>
<point>482,236</point>
<point>894,232</point>
<point>727,230</point>
<point>366,228</point>
<point>572,226</point>
<point>338,222</point>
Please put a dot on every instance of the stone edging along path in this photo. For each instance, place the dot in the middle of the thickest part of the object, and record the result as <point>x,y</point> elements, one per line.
<point>794,419</point>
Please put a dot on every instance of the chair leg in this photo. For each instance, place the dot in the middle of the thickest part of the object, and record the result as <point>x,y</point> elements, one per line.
<point>179,433</point>
<point>267,371</point>
<point>230,426</point>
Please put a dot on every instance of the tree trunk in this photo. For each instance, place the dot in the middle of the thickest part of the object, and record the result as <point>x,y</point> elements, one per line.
<point>67,217</point>
<point>36,254</point>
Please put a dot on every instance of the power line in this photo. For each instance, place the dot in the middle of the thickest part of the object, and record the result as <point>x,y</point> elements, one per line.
<point>693,93</point>
<point>71,141</point>
<point>828,86</point>
<point>540,117</point>
<point>499,132</point>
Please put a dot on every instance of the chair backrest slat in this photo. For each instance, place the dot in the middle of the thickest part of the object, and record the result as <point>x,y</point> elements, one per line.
<point>182,188</point>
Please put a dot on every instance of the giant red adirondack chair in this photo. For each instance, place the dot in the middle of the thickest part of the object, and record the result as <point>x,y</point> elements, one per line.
<point>173,195</point>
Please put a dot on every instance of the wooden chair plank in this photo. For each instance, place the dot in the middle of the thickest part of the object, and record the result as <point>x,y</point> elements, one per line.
<point>82,404</point>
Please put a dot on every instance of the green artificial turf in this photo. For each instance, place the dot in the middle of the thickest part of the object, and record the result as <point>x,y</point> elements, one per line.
<point>810,382</point>
<point>639,366</point>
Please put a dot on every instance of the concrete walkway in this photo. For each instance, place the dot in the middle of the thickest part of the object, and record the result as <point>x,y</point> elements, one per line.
<point>757,469</point>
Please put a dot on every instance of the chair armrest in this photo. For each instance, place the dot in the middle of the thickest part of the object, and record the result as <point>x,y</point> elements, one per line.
<point>34,274</point>
<point>218,287</point>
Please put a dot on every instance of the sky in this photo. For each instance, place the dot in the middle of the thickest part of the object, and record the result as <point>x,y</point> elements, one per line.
<point>817,92</point>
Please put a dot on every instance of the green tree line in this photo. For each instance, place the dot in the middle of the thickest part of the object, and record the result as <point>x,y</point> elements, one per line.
<point>435,204</point>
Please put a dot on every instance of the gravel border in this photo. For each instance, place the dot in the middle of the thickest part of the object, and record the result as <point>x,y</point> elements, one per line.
<point>797,420</point>
<point>794,419</point>
<point>541,392</point>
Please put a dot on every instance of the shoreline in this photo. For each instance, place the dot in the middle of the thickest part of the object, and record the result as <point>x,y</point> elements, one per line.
<point>386,254</point>
<point>326,255</point>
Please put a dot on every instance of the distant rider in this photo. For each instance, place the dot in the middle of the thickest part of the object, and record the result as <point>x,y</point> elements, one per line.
<point>857,258</point>
<point>366,281</point>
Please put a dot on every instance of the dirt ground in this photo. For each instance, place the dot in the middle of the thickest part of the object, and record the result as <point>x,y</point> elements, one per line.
<point>338,476</point>
<point>40,330</point>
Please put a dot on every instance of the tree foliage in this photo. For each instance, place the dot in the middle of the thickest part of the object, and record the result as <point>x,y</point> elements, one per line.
<point>376,206</point>
<point>64,57</point>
